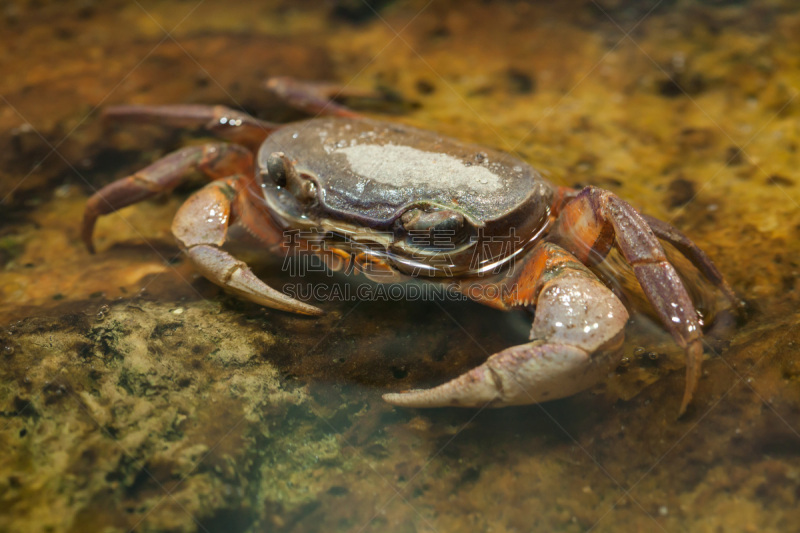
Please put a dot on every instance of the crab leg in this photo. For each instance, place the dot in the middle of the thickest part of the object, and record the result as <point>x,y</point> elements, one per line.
<point>314,97</point>
<point>578,324</point>
<point>222,121</point>
<point>697,256</point>
<point>201,224</point>
<point>201,227</point>
<point>594,221</point>
<point>214,160</point>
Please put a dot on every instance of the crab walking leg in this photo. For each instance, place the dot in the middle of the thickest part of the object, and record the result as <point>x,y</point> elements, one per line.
<point>314,97</point>
<point>222,121</point>
<point>201,227</point>
<point>595,220</point>
<point>214,160</point>
<point>691,251</point>
<point>577,327</point>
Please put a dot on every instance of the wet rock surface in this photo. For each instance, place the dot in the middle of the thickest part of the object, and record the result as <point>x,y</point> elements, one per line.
<point>134,395</point>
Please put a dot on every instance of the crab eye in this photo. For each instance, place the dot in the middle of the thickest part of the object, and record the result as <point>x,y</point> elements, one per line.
<point>284,174</point>
<point>276,168</point>
<point>440,229</point>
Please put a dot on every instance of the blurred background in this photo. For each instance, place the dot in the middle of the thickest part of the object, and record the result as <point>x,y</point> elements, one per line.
<point>136,396</point>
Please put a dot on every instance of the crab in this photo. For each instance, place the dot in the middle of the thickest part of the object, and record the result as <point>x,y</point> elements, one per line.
<point>395,202</point>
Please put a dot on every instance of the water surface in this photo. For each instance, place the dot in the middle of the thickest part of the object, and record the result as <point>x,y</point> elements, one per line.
<point>134,395</point>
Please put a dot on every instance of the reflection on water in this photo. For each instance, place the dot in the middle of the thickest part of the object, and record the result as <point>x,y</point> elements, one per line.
<point>134,395</point>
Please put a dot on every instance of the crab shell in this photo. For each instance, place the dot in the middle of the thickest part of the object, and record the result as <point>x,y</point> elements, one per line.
<point>378,182</point>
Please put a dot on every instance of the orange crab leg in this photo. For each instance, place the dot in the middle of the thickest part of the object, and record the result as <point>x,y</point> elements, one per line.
<point>521,285</point>
<point>214,160</point>
<point>594,221</point>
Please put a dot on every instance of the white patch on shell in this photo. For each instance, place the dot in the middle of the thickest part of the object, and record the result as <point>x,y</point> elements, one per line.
<point>403,166</point>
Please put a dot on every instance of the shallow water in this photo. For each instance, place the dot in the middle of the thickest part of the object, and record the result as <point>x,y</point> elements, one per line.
<point>134,395</point>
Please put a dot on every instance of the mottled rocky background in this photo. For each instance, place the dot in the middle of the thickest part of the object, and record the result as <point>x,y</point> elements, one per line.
<point>134,395</point>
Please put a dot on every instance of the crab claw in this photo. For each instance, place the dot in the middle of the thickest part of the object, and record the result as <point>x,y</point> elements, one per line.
<point>577,327</point>
<point>221,268</point>
<point>524,374</point>
<point>201,227</point>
